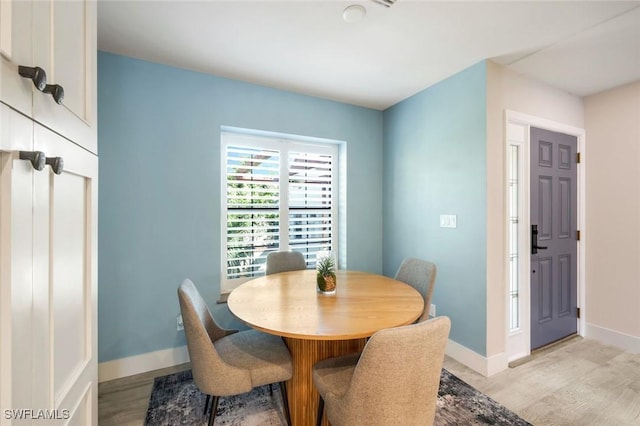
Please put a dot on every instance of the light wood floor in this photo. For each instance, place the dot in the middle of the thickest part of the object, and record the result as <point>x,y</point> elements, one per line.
<point>578,382</point>
<point>124,402</point>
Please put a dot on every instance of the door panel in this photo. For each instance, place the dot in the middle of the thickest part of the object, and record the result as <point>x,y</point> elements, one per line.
<point>22,343</point>
<point>545,291</point>
<point>564,208</point>
<point>81,415</point>
<point>554,211</point>
<point>65,208</point>
<point>65,46</point>
<point>545,208</point>
<point>564,263</point>
<point>16,234</point>
<point>69,54</point>
<point>15,49</point>
<point>68,223</point>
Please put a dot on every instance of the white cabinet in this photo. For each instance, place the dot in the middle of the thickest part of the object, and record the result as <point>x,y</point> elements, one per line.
<point>48,277</point>
<point>15,49</point>
<point>60,38</point>
<point>48,221</point>
<point>64,44</point>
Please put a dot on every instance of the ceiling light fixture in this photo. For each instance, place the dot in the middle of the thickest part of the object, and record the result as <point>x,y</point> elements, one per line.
<point>354,13</point>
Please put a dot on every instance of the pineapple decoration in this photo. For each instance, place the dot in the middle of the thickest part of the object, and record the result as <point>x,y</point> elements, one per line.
<point>326,278</point>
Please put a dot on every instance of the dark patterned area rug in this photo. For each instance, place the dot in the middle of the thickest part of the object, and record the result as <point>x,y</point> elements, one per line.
<point>175,400</point>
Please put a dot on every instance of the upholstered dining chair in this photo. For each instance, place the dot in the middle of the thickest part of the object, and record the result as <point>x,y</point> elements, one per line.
<point>230,362</point>
<point>421,275</point>
<point>284,261</point>
<point>394,380</point>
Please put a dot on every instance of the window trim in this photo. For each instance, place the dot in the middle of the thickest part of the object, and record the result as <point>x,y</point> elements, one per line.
<point>284,145</point>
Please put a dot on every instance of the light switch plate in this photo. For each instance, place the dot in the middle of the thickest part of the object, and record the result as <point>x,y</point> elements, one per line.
<point>448,221</point>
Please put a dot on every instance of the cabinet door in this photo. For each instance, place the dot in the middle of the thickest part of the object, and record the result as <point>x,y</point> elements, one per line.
<point>17,285</point>
<point>64,44</point>
<point>16,260</point>
<point>65,281</point>
<point>15,49</point>
<point>48,276</point>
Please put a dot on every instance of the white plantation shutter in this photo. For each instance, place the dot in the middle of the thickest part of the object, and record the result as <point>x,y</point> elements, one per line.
<point>280,195</point>
<point>310,203</point>
<point>253,218</point>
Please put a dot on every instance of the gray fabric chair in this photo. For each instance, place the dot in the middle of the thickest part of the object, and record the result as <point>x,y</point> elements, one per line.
<point>394,381</point>
<point>420,275</point>
<point>284,261</point>
<point>228,362</point>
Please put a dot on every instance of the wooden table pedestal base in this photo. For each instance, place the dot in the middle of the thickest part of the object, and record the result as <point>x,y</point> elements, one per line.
<point>303,397</point>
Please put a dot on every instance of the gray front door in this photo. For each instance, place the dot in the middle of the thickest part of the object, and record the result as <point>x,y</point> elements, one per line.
<point>553,236</point>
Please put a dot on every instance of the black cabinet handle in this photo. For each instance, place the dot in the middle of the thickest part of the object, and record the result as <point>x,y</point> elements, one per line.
<point>36,74</point>
<point>39,78</point>
<point>37,158</point>
<point>534,240</point>
<point>56,163</point>
<point>56,91</point>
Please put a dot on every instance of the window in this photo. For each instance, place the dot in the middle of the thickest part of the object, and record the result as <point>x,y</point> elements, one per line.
<point>514,237</point>
<point>280,195</point>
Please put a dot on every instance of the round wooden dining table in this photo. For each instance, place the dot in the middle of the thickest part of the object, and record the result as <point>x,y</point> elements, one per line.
<point>317,326</point>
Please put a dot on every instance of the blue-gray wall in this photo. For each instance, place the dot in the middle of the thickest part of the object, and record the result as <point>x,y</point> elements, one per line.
<point>159,149</point>
<point>435,163</point>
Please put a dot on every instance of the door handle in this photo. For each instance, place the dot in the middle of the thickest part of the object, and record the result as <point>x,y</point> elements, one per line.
<point>56,91</point>
<point>39,78</point>
<point>534,240</point>
<point>35,74</point>
<point>38,159</point>
<point>56,163</point>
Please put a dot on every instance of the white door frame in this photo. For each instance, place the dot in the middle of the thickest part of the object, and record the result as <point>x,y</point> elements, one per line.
<point>516,131</point>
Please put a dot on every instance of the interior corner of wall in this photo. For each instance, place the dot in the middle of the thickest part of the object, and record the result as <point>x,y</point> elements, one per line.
<point>487,366</point>
<point>137,364</point>
<point>615,338</point>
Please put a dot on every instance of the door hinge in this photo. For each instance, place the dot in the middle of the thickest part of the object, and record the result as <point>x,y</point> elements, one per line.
<point>578,312</point>
<point>578,235</point>
<point>578,157</point>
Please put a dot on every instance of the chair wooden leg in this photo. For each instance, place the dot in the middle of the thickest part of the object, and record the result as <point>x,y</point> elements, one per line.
<point>214,408</point>
<point>320,411</point>
<point>285,401</point>
<point>206,405</point>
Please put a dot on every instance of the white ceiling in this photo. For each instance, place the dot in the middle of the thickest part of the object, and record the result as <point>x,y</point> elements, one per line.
<point>305,46</point>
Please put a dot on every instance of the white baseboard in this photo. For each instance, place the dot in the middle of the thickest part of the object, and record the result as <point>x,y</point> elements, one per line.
<point>613,338</point>
<point>143,363</point>
<point>483,365</point>
<point>497,363</point>
<point>137,364</point>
